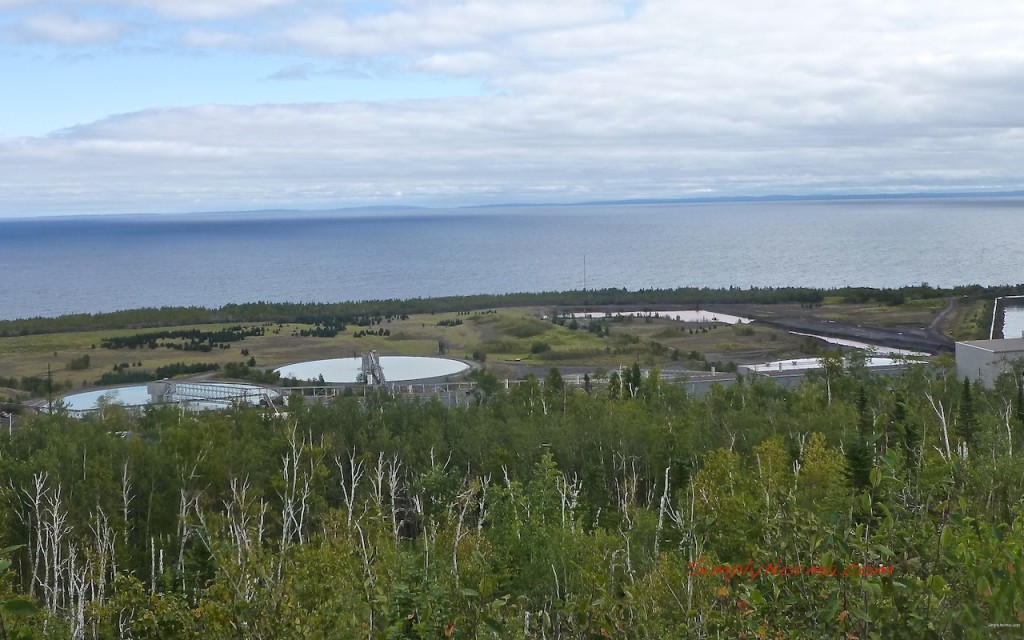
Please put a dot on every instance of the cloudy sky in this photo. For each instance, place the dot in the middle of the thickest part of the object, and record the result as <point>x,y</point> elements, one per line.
<point>204,105</point>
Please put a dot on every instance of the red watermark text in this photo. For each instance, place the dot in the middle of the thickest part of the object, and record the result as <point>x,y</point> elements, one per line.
<point>781,569</point>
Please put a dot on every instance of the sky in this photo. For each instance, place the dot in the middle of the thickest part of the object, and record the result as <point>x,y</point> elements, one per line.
<point>133,106</point>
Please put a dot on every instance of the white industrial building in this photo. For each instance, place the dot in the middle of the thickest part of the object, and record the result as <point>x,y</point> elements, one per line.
<point>986,360</point>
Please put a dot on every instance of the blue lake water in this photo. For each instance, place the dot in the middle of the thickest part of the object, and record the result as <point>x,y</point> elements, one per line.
<point>103,263</point>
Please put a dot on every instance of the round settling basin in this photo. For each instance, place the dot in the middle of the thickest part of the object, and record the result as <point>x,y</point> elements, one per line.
<point>396,369</point>
<point>133,396</point>
<point>199,395</point>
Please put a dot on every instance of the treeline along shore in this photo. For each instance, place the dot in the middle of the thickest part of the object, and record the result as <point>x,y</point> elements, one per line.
<point>350,311</point>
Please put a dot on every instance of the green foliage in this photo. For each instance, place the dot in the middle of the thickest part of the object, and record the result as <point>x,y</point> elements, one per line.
<point>35,385</point>
<point>527,513</point>
<point>190,339</point>
<point>125,376</point>
<point>243,371</point>
<point>860,460</point>
<point>553,383</point>
<point>181,369</point>
<point>967,421</point>
<point>13,608</point>
<point>78,364</point>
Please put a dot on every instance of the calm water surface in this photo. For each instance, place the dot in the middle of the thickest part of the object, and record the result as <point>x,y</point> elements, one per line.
<point>90,264</point>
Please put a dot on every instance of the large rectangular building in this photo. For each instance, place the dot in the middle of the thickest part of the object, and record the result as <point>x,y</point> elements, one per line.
<point>986,360</point>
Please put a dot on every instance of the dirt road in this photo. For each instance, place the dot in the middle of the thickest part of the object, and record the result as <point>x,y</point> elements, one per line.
<point>914,338</point>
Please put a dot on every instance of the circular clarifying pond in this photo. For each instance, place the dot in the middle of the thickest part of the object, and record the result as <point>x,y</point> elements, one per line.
<point>134,396</point>
<point>200,395</point>
<point>396,369</point>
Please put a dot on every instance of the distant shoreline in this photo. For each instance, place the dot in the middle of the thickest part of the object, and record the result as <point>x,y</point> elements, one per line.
<point>380,211</point>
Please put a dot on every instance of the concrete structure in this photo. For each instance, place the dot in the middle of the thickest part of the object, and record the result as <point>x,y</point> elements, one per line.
<point>986,360</point>
<point>207,393</point>
<point>372,373</point>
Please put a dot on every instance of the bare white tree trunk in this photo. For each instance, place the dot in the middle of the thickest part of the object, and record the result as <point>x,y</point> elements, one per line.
<point>663,508</point>
<point>348,493</point>
<point>126,500</point>
<point>377,482</point>
<point>626,486</point>
<point>940,411</point>
<point>417,505</point>
<point>53,532</point>
<point>570,493</point>
<point>394,466</point>
<point>238,512</point>
<point>188,502</point>
<point>77,587</point>
<point>371,578</point>
<point>295,499</point>
<point>512,499</point>
<point>104,551</point>
<point>1009,431</point>
<point>482,504</point>
<point>152,565</point>
<point>32,518</point>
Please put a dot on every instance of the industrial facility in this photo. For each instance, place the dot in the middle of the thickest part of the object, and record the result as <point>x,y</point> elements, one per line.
<point>986,360</point>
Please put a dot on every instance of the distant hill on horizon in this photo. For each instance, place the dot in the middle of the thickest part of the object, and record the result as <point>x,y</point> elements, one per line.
<point>922,195</point>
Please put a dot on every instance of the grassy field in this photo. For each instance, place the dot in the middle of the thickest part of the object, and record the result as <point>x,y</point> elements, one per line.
<point>968,320</point>
<point>503,337</point>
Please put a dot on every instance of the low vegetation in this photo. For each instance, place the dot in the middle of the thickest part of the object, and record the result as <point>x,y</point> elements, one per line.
<point>851,506</point>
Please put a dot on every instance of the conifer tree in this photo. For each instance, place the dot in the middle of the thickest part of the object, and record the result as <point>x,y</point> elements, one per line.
<point>864,422</point>
<point>967,423</point>
<point>910,433</point>
<point>859,462</point>
<point>614,384</point>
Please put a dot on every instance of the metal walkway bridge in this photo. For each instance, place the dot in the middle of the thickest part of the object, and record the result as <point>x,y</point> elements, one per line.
<point>216,393</point>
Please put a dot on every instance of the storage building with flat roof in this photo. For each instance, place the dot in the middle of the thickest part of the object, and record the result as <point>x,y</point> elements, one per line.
<point>986,360</point>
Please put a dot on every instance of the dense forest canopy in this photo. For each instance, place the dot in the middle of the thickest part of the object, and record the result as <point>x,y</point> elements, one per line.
<point>852,506</point>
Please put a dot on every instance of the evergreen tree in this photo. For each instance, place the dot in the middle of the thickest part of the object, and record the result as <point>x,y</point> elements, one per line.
<point>554,383</point>
<point>634,378</point>
<point>614,385</point>
<point>909,432</point>
<point>864,423</point>
<point>859,462</point>
<point>967,421</point>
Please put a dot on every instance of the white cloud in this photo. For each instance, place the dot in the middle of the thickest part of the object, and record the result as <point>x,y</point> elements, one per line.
<point>467,63</point>
<point>208,9</point>
<point>437,26</point>
<point>585,100</point>
<point>203,38</point>
<point>69,30</point>
<point>475,149</point>
<point>292,72</point>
